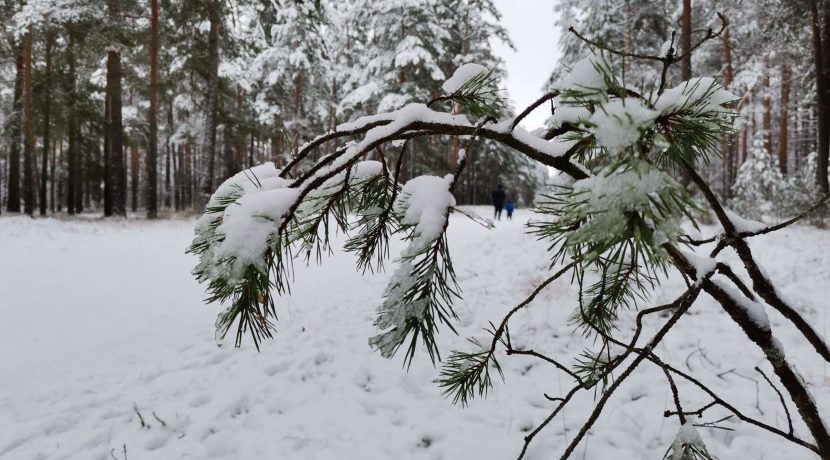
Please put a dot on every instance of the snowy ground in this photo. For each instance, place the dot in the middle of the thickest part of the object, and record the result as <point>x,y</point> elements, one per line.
<point>98,319</point>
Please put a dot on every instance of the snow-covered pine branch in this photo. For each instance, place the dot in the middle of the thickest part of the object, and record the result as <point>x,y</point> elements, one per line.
<point>614,219</point>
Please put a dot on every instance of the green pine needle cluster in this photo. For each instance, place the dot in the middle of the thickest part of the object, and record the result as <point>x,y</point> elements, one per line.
<point>465,375</point>
<point>481,95</point>
<point>418,299</point>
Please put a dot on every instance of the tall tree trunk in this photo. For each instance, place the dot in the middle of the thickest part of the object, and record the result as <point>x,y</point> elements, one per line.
<point>783,134</point>
<point>134,175</point>
<point>686,39</point>
<point>825,46</point>
<point>53,161</point>
<point>13,203</point>
<point>239,133</point>
<point>727,148</point>
<point>212,104</point>
<point>72,126</point>
<point>47,101</point>
<point>108,185</point>
<point>298,113</point>
<point>822,88</point>
<point>766,117</point>
<point>151,191</point>
<point>171,157</point>
<point>79,171</point>
<point>28,128</point>
<point>115,124</point>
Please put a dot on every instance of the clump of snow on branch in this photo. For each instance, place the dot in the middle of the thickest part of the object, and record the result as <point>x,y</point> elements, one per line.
<point>687,445</point>
<point>462,75</point>
<point>703,93</point>
<point>619,123</point>
<point>585,75</point>
<point>424,203</point>
<point>754,310</point>
<point>241,216</point>
<point>609,199</point>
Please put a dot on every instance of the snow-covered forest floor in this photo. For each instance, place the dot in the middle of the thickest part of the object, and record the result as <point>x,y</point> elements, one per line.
<point>101,321</point>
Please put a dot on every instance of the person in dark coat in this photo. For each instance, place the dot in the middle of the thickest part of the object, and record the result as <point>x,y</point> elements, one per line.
<point>498,196</point>
<point>509,208</point>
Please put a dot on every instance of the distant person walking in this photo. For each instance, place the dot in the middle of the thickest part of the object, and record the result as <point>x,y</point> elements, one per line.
<point>509,208</point>
<point>498,196</point>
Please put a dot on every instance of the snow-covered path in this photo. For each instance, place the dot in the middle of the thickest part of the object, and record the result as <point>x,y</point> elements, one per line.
<point>101,321</point>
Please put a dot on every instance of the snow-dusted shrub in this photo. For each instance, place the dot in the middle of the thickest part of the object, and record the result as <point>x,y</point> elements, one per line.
<point>800,191</point>
<point>758,184</point>
<point>760,189</point>
<point>612,224</point>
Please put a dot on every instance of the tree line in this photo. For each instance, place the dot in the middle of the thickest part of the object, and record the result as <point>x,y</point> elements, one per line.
<point>112,106</point>
<point>774,54</point>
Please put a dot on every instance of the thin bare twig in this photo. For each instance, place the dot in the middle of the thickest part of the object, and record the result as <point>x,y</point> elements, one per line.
<point>780,397</point>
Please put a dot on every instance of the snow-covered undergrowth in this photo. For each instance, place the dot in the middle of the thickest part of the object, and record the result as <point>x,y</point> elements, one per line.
<point>102,321</point>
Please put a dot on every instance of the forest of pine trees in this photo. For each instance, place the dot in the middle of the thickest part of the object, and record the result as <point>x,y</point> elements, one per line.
<point>774,54</point>
<point>111,106</point>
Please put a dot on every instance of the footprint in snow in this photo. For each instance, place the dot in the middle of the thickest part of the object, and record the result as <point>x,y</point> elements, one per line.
<point>200,400</point>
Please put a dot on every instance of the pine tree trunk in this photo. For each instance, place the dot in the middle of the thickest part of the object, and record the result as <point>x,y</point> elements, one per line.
<point>80,171</point>
<point>47,89</point>
<point>825,46</point>
<point>151,189</point>
<point>13,203</point>
<point>134,175</point>
<point>727,148</point>
<point>72,123</point>
<point>117,174</point>
<point>108,185</point>
<point>209,152</point>
<point>766,118</point>
<point>822,88</point>
<point>298,113</point>
<point>53,161</point>
<point>686,39</point>
<point>28,128</point>
<point>783,134</point>
<point>171,158</point>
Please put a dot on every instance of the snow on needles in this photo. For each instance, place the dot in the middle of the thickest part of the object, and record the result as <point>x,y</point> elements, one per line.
<point>425,203</point>
<point>687,438</point>
<point>254,202</point>
<point>584,75</point>
<point>461,76</point>
<point>618,123</point>
<point>703,93</point>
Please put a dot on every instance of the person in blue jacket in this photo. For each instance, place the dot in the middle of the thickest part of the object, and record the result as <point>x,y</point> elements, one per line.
<point>509,208</point>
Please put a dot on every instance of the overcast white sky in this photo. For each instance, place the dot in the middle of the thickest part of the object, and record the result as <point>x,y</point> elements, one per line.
<point>531,27</point>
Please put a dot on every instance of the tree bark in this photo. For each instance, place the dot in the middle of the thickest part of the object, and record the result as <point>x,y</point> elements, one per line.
<point>727,148</point>
<point>13,203</point>
<point>212,103</point>
<point>766,117</point>
<point>72,123</point>
<point>171,158</point>
<point>28,128</point>
<point>783,132</point>
<point>47,102</point>
<point>822,88</point>
<point>134,175</point>
<point>298,111</point>
<point>151,189</point>
<point>116,177</point>
<point>686,40</point>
